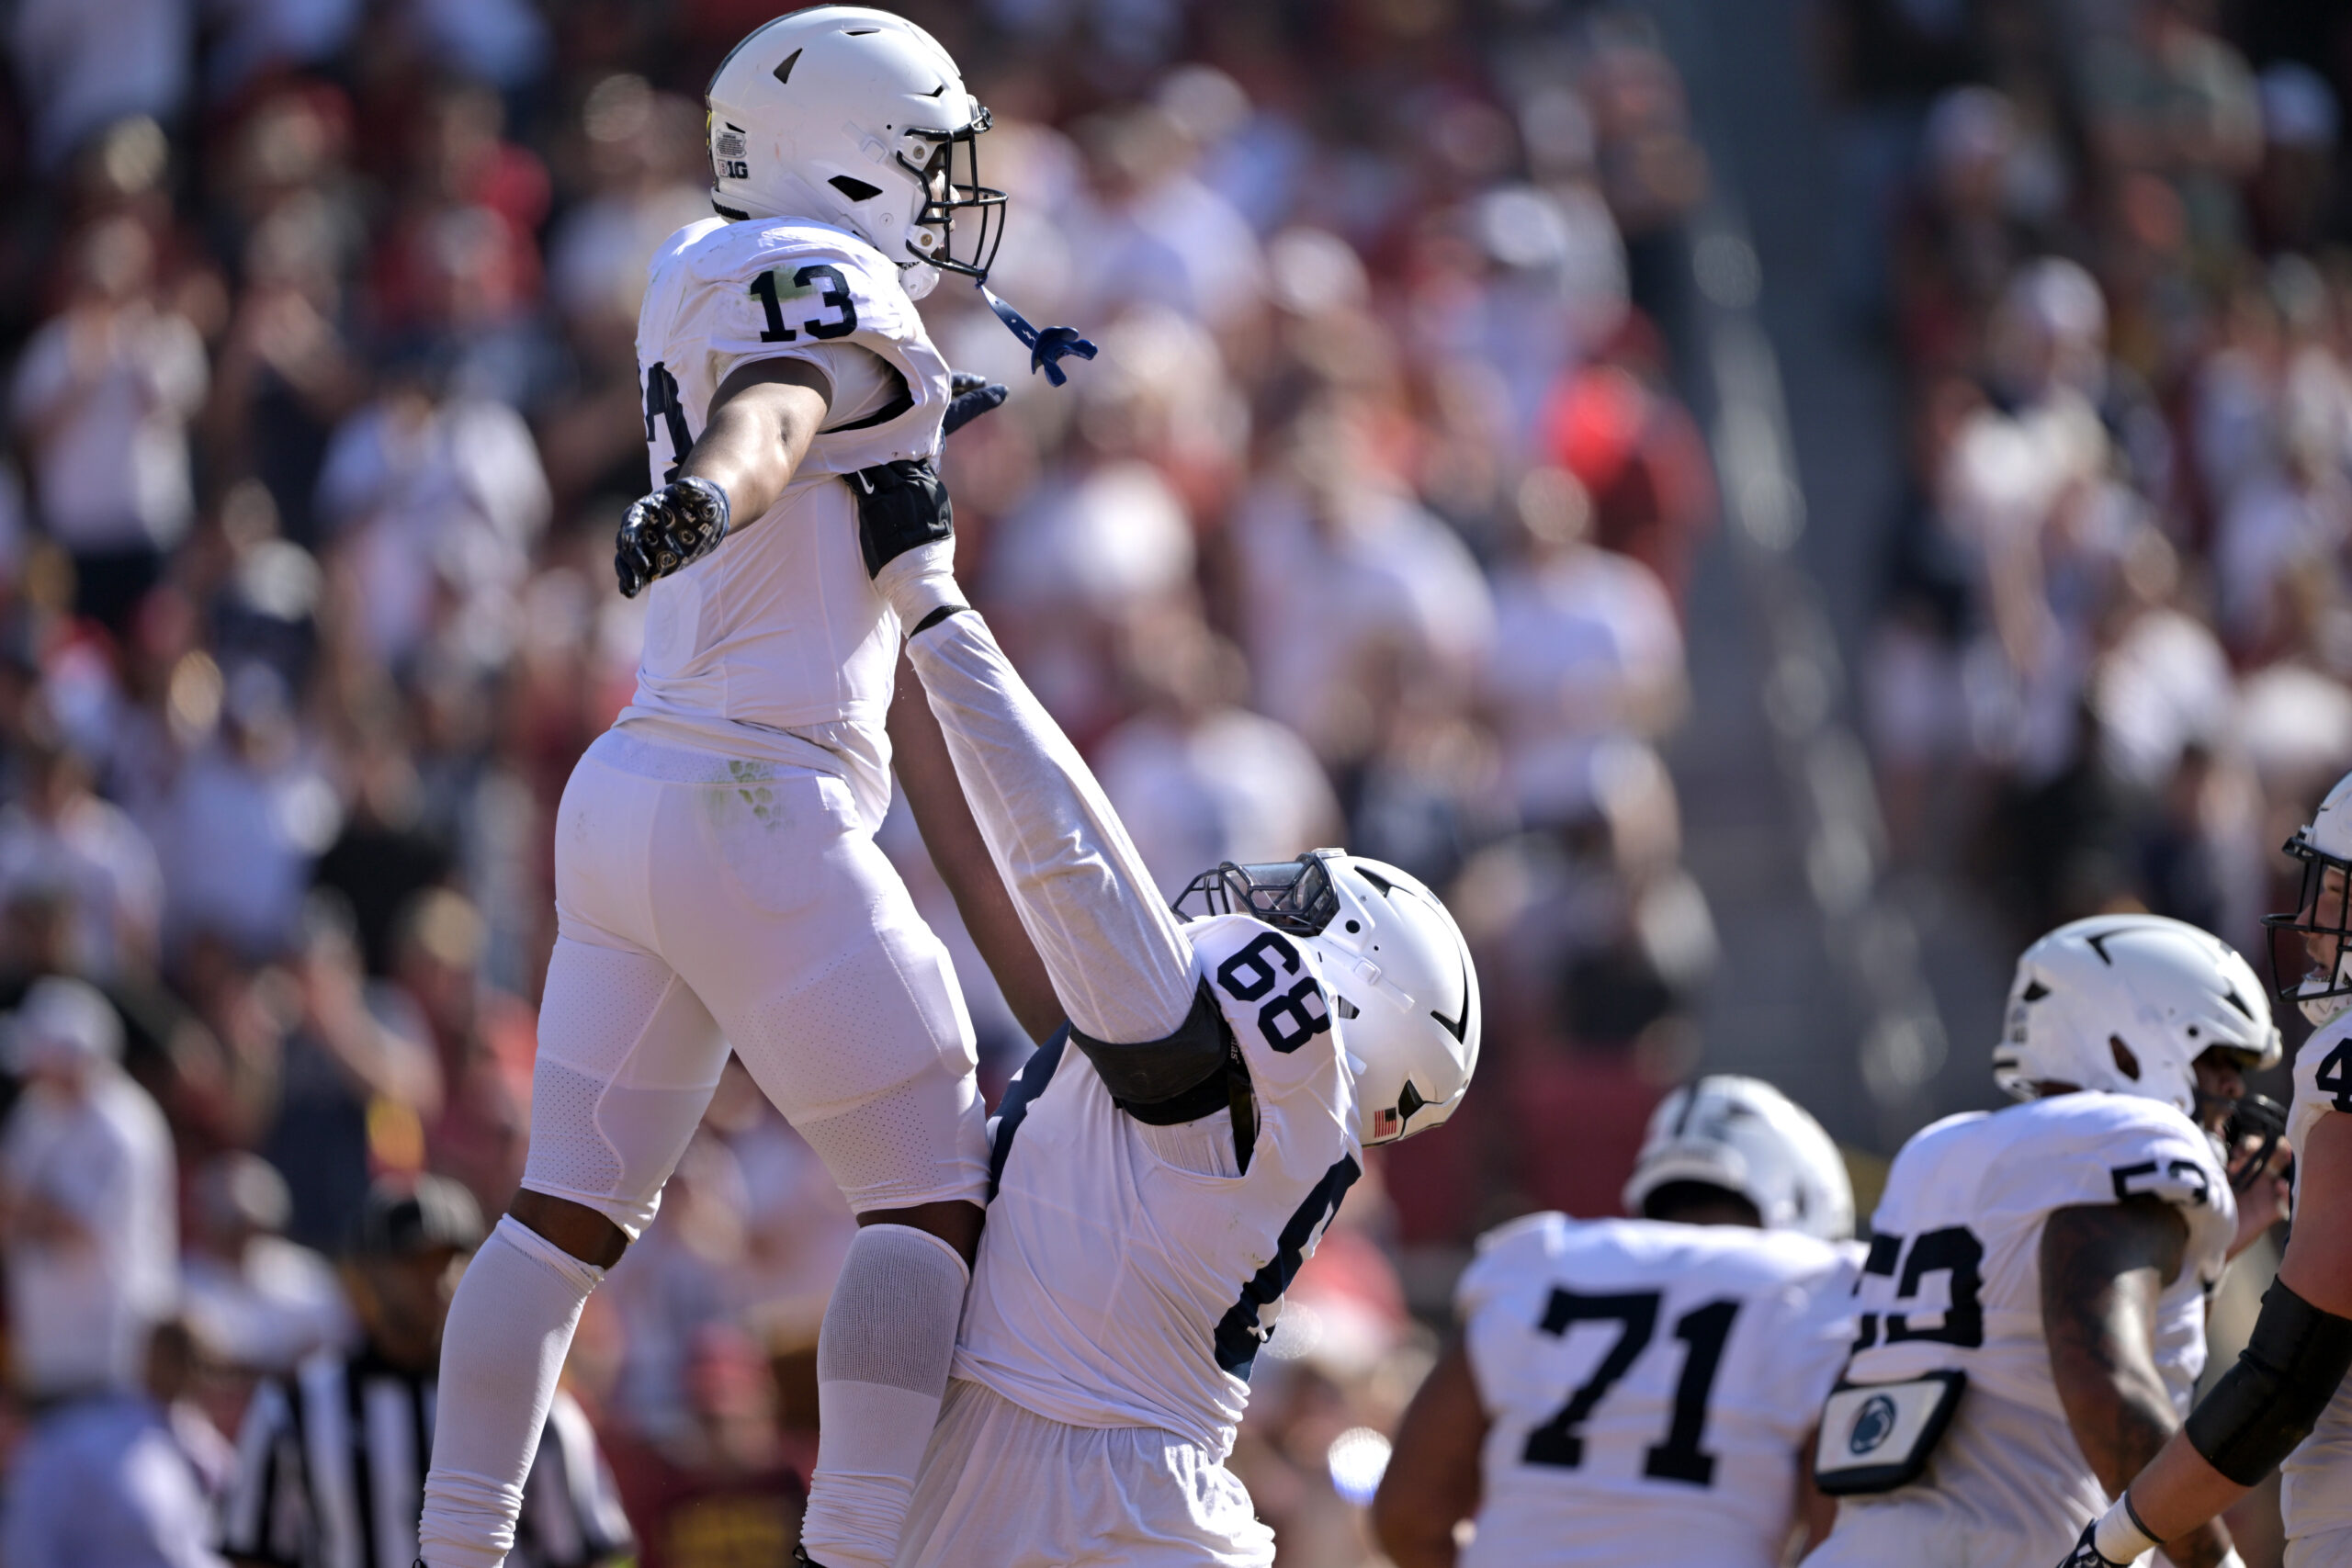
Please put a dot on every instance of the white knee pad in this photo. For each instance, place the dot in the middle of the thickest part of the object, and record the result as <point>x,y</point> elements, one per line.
<point>627,1060</point>
<point>923,1141</point>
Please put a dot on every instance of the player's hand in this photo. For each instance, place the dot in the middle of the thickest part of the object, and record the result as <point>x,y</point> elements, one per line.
<point>668,531</point>
<point>907,528</point>
<point>972,397</point>
<point>2086,1553</point>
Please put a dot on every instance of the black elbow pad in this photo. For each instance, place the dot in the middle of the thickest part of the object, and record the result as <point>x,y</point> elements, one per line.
<point>2268,1402</point>
<point>1145,1078</point>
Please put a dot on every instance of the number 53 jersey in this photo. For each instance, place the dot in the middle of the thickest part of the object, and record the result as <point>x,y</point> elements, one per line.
<point>1953,1281</point>
<point>1648,1387</point>
<point>1128,1273</point>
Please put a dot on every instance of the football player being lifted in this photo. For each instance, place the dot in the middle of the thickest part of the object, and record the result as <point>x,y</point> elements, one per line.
<point>2286,1397</point>
<point>1637,1392</point>
<point>2033,1302</point>
<point>1161,1167</point>
<point>717,881</point>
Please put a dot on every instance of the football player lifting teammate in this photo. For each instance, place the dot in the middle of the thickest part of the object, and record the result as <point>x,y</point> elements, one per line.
<point>1159,1169</point>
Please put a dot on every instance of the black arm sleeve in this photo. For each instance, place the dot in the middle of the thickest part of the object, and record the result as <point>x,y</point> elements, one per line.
<point>1156,1078</point>
<point>2268,1403</point>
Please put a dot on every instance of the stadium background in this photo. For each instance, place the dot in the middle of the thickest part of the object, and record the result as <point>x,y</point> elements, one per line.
<point>1635,466</point>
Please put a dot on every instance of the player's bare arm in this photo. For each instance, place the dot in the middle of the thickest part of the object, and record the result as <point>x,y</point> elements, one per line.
<point>2103,1268</point>
<point>1433,1481</point>
<point>762,420</point>
<point>927,774</point>
<point>2183,1488</point>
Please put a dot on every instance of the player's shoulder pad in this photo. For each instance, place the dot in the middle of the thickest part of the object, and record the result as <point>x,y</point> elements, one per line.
<point>2093,1146</point>
<point>2323,1070</point>
<point>778,285</point>
<point>1529,1242</point>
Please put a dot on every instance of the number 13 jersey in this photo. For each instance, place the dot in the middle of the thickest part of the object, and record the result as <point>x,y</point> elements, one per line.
<point>1953,1281</point>
<point>1648,1387</point>
<point>1128,1274</point>
<point>780,630</point>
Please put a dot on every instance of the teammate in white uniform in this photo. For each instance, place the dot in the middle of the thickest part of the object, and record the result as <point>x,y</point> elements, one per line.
<point>2055,1255</point>
<point>1161,1169</point>
<point>717,881</point>
<point>1640,1391</point>
<point>2287,1396</point>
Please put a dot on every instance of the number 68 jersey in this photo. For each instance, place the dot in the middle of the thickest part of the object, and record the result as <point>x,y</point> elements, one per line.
<point>1129,1273</point>
<point>1954,1282</point>
<point>1648,1387</point>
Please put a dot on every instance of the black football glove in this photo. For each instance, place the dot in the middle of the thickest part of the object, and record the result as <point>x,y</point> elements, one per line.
<point>973,395</point>
<point>901,507</point>
<point>668,531</point>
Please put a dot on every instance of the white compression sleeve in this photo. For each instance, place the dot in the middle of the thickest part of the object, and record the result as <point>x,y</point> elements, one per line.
<point>509,1330</point>
<point>1117,959</point>
<point>882,1362</point>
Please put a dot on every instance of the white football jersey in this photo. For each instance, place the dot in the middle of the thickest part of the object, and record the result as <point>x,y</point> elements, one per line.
<point>1953,1281</point>
<point>1649,1387</point>
<point>2318,1477</point>
<point>780,629</point>
<point>1127,1276</point>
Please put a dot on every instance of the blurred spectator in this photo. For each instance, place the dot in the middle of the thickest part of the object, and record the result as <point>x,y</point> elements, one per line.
<point>1596,652</point>
<point>331,1462</point>
<point>124,1479</point>
<point>88,1229</point>
<point>262,1303</point>
<point>482,1041</point>
<point>102,399</point>
<point>57,837</point>
<point>1200,779</point>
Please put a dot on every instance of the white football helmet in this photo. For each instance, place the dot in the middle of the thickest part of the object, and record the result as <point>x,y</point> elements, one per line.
<point>855,118</point>
<point>2127,1003</point>
<point>2323,990</point>
<point>1744,1135</point>
<point>1404,993</point>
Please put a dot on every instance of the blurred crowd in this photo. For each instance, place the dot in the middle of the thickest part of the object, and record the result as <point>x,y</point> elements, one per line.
<point>2112,255</point>
<point>1370,525</point>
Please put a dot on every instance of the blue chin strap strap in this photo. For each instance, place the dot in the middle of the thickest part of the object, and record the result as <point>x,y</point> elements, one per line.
<point>1048,348</point>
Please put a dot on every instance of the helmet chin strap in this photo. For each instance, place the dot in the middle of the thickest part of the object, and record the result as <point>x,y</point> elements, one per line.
<point>2321,1010</point>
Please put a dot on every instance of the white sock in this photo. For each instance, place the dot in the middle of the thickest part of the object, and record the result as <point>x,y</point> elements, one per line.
<point>882,1362</point>
<point>509,1330</point>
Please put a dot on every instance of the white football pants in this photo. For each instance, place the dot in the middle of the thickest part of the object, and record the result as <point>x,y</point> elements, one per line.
<point>1004,1487</point>
<point>704,901</point>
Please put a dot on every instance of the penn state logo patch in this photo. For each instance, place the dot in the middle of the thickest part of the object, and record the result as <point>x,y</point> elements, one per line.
<point>730,145</point>
<point>1873,1424</point>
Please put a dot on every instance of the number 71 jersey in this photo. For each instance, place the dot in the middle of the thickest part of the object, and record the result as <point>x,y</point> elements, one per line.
<point>1648,1387</point>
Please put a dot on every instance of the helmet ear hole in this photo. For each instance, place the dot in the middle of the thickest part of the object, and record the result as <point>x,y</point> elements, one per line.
<point>2126,1062</point>
<point>855,188</point>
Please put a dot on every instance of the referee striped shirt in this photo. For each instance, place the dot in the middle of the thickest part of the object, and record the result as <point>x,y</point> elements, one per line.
<point>330,1470</point>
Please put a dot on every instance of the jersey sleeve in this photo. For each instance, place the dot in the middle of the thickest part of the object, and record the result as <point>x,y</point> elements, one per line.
<point>2110,1149</point>
<point>1120,964</point>
<point>1503,1254</point>
<point>805,292</point>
